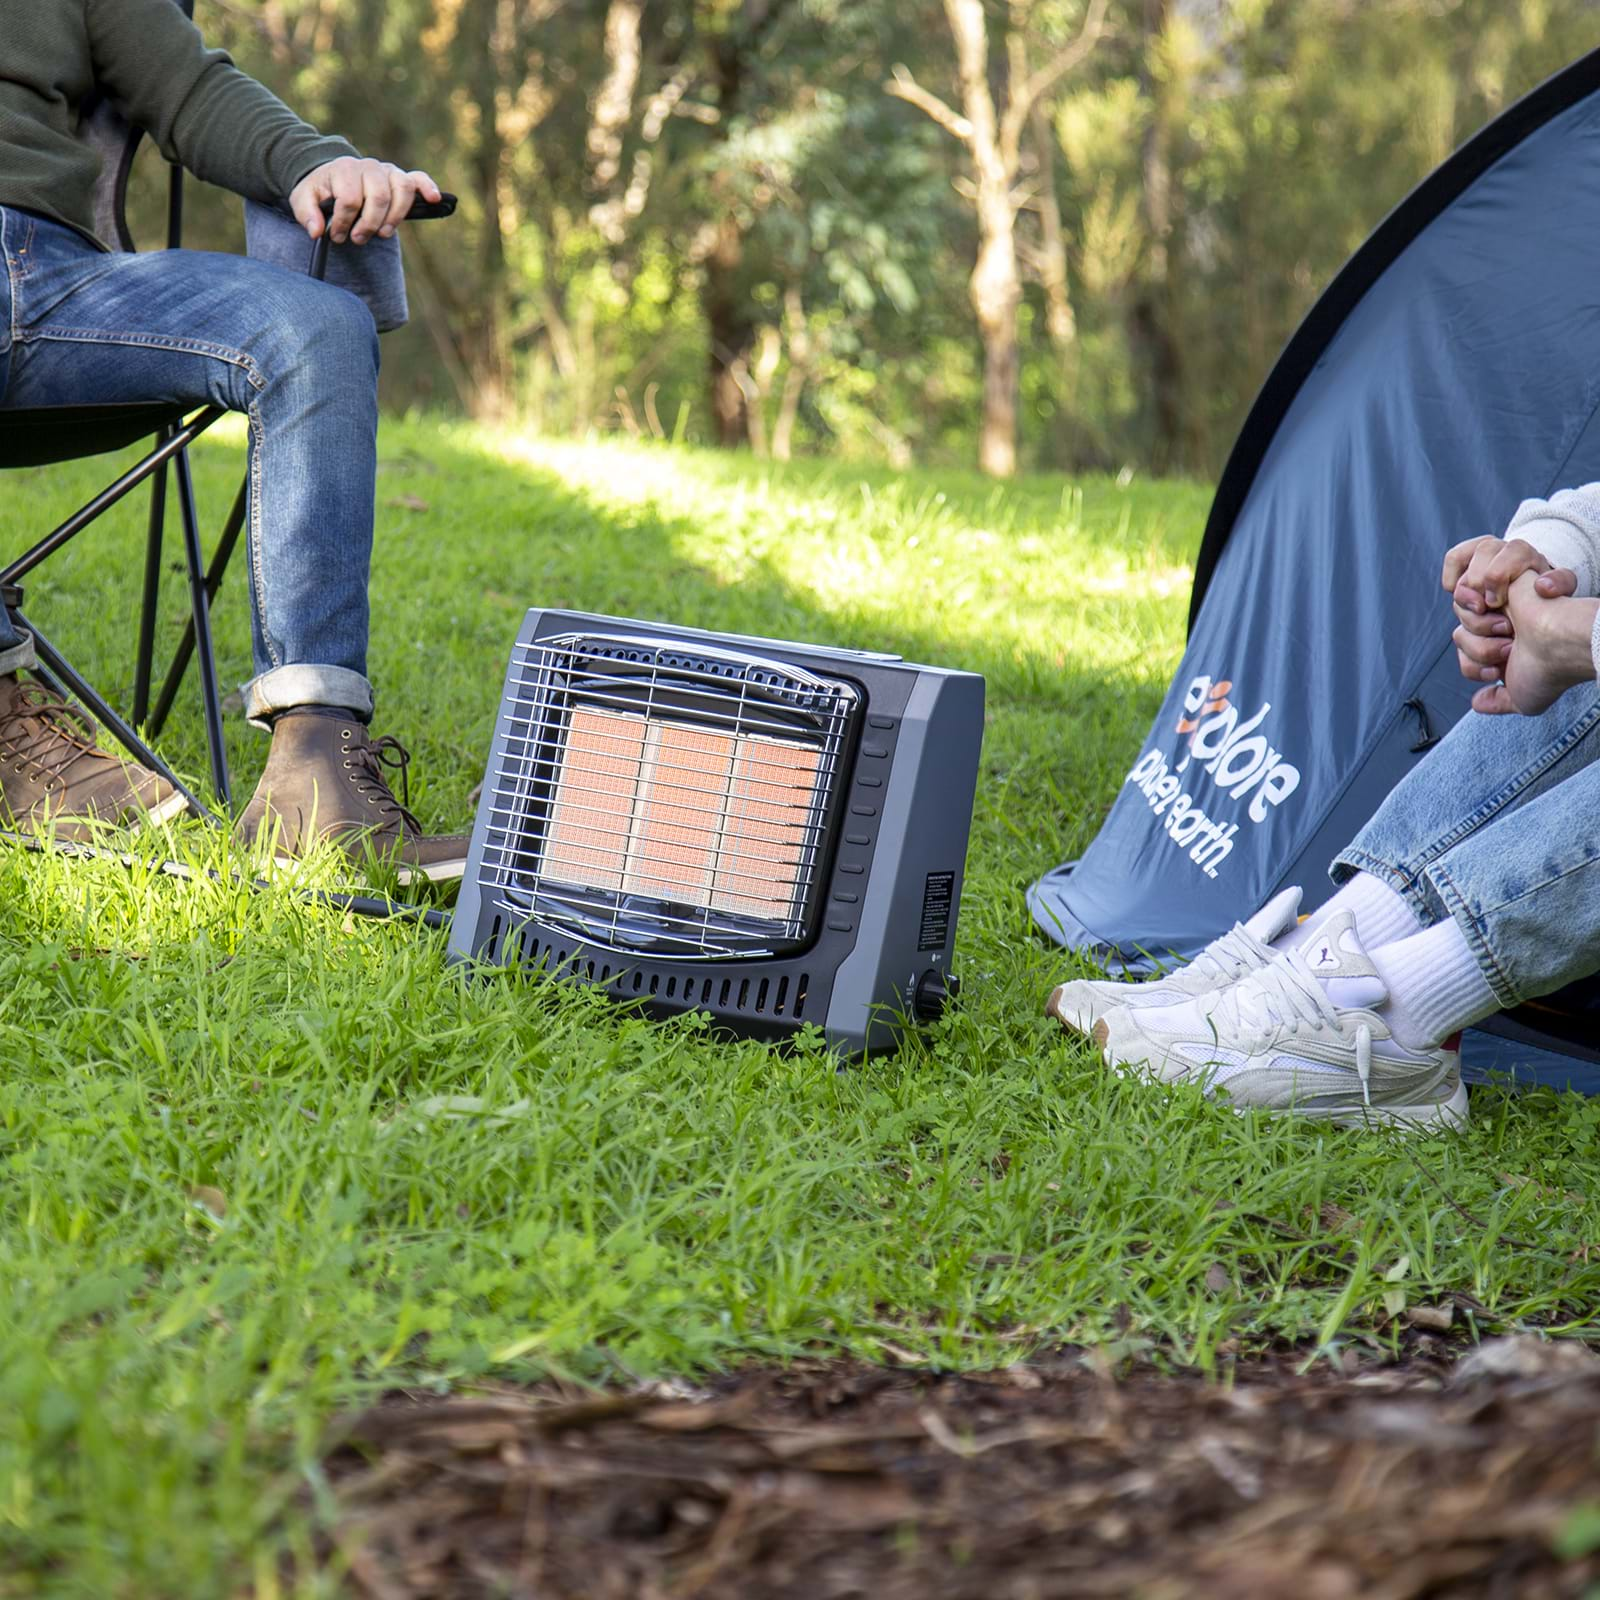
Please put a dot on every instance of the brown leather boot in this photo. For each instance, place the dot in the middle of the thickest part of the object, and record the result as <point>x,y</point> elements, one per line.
<point>53,769</point>
<point>325,780</point>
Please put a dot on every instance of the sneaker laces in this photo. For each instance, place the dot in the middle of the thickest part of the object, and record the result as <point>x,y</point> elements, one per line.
<point>1233,955</point>
<point>375,759</point>
<point>38,722</point>
<point>1285,995</point>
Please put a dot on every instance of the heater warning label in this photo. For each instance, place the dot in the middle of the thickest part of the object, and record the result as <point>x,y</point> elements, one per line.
<point>937,898</point>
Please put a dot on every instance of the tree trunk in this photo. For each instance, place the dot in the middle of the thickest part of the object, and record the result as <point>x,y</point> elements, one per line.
<point>994,142</point>
<point>1155,310</point>
<point>1059,319</point>
<point>794,380</point>
<point>996,294</point>
<point>996,284</point>
<point>482,342</point>
<point>730,324</point>
<point>612,111</point>
<point>732,332</point>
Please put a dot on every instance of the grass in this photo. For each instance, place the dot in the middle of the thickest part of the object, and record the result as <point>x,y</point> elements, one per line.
<point>236,1196</point>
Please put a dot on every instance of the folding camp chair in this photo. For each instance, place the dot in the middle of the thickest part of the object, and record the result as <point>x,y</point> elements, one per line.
<point>38,437</point>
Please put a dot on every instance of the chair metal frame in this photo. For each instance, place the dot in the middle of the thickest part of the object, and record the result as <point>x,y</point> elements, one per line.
<point>176,431</point>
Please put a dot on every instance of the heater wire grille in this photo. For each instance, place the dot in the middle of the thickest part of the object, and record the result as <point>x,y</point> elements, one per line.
<point>662,798</point>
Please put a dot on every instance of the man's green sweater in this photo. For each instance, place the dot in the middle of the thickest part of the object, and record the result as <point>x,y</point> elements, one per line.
<point>149,60</point>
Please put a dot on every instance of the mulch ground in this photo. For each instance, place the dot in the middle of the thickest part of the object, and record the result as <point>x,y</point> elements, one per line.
<point>825,1481</point>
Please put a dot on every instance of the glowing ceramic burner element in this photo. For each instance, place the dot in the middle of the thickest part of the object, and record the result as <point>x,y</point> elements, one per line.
<point>678,812</point>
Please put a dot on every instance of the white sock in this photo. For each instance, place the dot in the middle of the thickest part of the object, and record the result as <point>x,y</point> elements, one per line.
<point>1381,915</point>
<point>1435,985</point>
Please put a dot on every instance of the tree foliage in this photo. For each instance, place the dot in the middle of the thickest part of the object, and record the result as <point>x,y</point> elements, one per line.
<point>748,221</point>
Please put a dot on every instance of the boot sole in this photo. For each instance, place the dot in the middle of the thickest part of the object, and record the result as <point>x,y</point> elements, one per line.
<point>435,872</point>
<point>84,828</point>
<point>174,805</point>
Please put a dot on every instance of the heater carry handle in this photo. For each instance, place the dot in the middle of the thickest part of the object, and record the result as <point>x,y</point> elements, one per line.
<point>576,641</point>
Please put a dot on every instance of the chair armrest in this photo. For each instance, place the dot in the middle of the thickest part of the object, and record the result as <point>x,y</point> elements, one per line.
<point>421,211</point>
<point>431,210</point>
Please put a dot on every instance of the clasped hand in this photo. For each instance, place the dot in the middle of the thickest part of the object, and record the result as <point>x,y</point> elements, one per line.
<point>1511,638</point>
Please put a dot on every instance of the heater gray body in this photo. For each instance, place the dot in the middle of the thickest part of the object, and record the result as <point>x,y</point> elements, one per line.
<point>885,861</point>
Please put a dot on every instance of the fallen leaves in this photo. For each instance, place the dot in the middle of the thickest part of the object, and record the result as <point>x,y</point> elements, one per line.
<point>1437,1319</point>
<point>834,1480</point>
<point>203,1197</point>
<point>1394,1297</point>
<point>1528,1358</point>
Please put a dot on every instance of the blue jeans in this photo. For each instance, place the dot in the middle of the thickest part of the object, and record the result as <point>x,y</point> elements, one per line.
<point>1499,827</point>
<point>299,358</point>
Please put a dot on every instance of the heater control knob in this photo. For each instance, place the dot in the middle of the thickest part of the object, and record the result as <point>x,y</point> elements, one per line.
<point>933,993</point>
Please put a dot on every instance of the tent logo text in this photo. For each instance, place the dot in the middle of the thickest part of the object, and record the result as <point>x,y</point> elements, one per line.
<point>1225,752</point>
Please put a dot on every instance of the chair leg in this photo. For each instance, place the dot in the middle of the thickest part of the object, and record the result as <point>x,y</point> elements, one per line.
<point>200,608</point>
<point>61,674</point>
<point>214,575</point>
<point>152,594</point>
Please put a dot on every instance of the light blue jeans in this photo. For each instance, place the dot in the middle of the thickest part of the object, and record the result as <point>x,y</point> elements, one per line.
<point>299,358</point>
<point>1499,827</point>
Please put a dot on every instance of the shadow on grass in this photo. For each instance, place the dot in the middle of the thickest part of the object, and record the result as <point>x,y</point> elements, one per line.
<point>468,539</point>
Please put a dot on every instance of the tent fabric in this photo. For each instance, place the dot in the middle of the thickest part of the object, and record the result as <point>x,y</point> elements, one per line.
<point>1451,371</point>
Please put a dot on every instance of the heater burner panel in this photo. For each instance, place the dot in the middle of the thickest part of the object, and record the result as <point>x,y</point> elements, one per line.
<point>678,817</point>
<point>676,812</point>
<point>588,840</point>
<point>771,804</point>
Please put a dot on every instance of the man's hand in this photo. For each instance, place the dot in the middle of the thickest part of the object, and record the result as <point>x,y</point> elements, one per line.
<point>371,198</point>
<point>1479,574</point>
<point>1549,651</point>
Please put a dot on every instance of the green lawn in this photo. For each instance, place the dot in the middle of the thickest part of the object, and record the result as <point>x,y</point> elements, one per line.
<point>635,1198</point>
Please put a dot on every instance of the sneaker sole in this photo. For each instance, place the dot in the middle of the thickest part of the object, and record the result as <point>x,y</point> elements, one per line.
<point>1435,1116</point>
<point>1425,1117</point>
<point>1072,1022</point>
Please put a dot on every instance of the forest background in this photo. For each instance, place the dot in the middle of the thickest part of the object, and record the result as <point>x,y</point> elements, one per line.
<point>1048,234</point>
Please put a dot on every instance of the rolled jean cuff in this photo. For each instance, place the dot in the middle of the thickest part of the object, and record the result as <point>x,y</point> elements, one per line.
<point>18,657</point>
<point>284,688</point>
<point>1414,891</point>
<point>1472,930</point>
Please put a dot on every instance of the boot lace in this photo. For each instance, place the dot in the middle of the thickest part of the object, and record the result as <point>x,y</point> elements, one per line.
<point>373,759</point>
<point>38,725</point>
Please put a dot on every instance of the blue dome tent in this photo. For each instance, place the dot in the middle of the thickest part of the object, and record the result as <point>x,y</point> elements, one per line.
<point>1451,370</point>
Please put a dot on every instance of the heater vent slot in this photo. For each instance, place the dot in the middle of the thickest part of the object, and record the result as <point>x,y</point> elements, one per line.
<point>654,800</point>
<point>520,944</point>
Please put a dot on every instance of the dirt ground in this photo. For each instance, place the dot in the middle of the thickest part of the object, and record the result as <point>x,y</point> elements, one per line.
<point>1062,1478</point>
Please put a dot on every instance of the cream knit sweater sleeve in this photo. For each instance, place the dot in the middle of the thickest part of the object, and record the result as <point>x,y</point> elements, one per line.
<point>1565,530</point>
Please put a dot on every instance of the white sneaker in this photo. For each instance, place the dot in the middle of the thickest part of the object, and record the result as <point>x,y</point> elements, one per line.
<point>1236,954</point>
<point>1305,1035</point>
